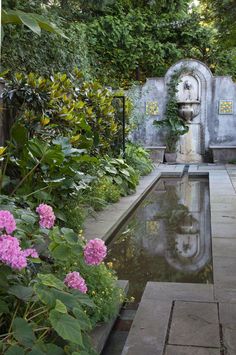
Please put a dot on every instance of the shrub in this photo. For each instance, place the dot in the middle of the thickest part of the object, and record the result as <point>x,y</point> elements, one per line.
<point>41,312</point>
<point>137,157</point>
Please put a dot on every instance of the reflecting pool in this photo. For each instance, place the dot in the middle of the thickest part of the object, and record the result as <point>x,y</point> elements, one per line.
<point>167,238</point>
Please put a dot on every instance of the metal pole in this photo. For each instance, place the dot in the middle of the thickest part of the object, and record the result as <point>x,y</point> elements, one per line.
<point>123,123</point>
<point>123,126</point>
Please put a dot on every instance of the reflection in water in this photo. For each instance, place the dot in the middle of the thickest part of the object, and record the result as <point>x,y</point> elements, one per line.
<point>167,238</point>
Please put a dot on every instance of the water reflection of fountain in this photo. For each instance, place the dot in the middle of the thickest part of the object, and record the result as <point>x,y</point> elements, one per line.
<point>167,238</point>
<point>180,230</point>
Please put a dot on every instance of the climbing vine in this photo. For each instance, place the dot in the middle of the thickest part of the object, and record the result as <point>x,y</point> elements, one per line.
<point>176,126</point>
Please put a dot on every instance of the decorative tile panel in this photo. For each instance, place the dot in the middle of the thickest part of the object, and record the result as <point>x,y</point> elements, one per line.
<point>226,107</point>
<point>152,227</point>
<point>152,108</point>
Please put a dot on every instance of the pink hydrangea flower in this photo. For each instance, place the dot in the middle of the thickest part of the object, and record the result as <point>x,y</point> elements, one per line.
<point>11,253</point>
<point>7,221</point>
<point>74,280</point>
<point>46,215</point>
<point>95,251</point>
<point>30,252</point>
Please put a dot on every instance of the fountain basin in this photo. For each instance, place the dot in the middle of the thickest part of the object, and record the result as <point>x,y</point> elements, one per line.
<point>188,109</point>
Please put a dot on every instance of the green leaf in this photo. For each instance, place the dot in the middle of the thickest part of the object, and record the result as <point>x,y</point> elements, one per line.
<point>53,156</point>
<point>15,350</point>
<point>66,326</point>
<point>45,295</point>
<point>53,349</point>
<point>60,307</point>
<point>37,148</point>
<point>70,235</point>
<point>30,22</point>
<point>111,170</point>
<point>61,252</point>
<point>118,180</point>
<point>23,332</point>
<point>19,134</point>
<point>51,280</point>
<point>28,218</point>
<point>3,307</point>
<point>125,172</point>
<point>83,318</point>
<point>36,351</point>
<point>21,292</point>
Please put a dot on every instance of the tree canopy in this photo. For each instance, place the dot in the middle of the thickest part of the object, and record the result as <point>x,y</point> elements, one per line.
<point>124,40</point>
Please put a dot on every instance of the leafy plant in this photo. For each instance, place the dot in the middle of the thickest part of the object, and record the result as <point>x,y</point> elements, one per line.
<point>33,21</point>
<point>175,125</point>
<point>137,157</point>
<point>40,312</point>
<point>119,173</point>
<point>65,106</point>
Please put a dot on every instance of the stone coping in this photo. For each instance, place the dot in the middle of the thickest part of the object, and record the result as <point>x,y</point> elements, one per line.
<point>222,146</point>
<point>156,147</point>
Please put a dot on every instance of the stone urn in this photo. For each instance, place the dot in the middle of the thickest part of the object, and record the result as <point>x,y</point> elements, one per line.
<point>188,109</point>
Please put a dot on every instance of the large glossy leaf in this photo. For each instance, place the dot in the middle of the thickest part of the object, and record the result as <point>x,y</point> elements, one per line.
<point>51,281</point>
<point>60,307</point>
<point>69,235</point>
<point>19,134</point>
<point>83,318</point>
<point>23,332</point>
<point>21,292</point>
<point>53,157</point>
<point>37,148</point>
<point>15,350</point>
<point>66,326</point>
<point>45,295</point>
<point>61,252</point>
<point>3,307</point>
<point>29,22</point>
<point>33,21</point>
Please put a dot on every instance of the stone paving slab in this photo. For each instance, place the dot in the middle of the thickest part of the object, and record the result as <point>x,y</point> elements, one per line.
<point>223,230</point>
<point>195,323</point>
<point>224,247</point>
<point>224,271</point>
<point>149,328</point>
<point>190,350</point>
<point>229,336</point>
<point>166,291</point>
<point>224,294</point>
<point>227,313</point>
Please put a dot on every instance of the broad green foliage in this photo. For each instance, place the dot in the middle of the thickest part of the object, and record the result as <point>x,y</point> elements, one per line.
<point>41,314</point>
<point>63,105</point>
<point>48,53</point>
<point>33,21</point>
<point>120,173</point>
<point>137,157</point>
<point>142,42</point>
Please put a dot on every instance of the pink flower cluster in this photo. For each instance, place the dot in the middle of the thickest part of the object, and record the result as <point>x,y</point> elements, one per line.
<point>47,216</point>
<point>95,251</point>
<point>12,254</point>
<point>7,221</point>
<point>74,280</point>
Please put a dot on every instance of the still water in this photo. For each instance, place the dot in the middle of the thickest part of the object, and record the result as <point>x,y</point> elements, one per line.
<point>167,238</point>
